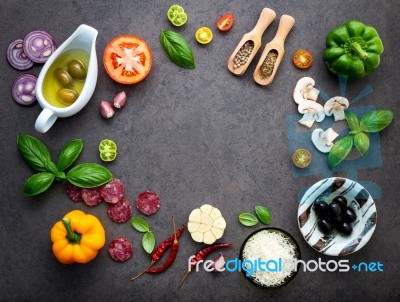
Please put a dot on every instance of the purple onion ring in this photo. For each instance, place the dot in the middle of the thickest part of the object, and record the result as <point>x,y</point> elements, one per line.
<point>17,57</point>
<point>23,89</point>
<point>39,45</point>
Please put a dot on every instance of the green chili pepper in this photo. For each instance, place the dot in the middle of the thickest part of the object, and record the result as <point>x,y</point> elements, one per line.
<point>353,49</point>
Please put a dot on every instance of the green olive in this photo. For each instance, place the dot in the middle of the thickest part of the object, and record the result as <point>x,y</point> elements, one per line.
<point>77,70</point>
<point>63,77</point>
<point>67,96</point>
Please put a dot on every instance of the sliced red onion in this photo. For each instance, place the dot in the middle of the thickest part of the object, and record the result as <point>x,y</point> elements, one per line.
<point>17,57</point>
<point>120,100</point>
<point>106,110</point>
<point>23,89</point>
<point>39,45</point>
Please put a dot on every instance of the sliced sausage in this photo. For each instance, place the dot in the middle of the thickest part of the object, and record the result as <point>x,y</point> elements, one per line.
<point>74,192</point>
<point>121,211</point>
<point>91,197</point>
<point>113,191</point>
<point>148,202</point>
<point>120,249</point>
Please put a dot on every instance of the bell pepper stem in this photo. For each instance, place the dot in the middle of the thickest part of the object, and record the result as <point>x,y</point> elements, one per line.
<point>356,47</point>
<point>71,235</point>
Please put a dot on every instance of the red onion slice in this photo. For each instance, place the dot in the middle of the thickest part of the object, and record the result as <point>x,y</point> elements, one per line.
<point>17,57</point>
<point>23,89</point>
<point>39,45</point>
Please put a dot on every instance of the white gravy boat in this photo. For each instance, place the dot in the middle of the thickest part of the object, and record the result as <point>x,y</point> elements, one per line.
<point>83,38</point>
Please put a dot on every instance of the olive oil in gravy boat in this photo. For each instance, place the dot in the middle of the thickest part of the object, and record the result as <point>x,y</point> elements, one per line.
<point>83,38</point>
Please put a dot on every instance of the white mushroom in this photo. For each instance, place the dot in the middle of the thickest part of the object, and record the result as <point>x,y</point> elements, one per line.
<point>323,140</point>
<point>313,112</point>
<point>336,106</point>
<point>305,90</point>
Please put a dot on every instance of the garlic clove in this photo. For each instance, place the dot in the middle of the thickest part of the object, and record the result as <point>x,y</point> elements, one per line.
<point>219,264</point>
<point>120,100</point>
<point>106,110</point>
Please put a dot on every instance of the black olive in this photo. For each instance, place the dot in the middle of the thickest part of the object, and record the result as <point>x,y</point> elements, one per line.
<point>341,201</point>
<point>324,226</point>
<point>320,209</point>
<point>334,210</point>
<point>345,228</point>
<point>349,215</point>
<point>337,220</point>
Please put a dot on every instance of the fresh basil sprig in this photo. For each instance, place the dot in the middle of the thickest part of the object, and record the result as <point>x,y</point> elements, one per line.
<point>34,152</point>
<point>177,49</point>
<point>372,122</point>
<point>263,214</point>
<point>37,156</point>
<point>248,219</point>
<point>148,240</point>
<point>69,154</point>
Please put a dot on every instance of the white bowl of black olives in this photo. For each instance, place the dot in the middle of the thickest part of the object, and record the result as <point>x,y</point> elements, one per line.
<point>337,216</point>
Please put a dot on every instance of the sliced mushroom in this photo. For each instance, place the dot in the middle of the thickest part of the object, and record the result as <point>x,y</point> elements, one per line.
<point>305,90</point>
<point>313,112</point>
<point>336,106</point>
<point>323,140</point>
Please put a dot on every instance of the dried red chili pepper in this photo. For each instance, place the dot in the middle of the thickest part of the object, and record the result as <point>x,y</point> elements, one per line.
<point>171,257</point>
<point>202,254</point>
<point>160,250</point>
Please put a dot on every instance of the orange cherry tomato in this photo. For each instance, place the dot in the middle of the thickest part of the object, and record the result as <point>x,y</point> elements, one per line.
<point>225,22</point>
<point>302,59</point>
<point>127,59</point>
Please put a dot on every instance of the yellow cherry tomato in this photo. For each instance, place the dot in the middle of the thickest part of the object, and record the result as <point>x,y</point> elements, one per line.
<point>204,35</point>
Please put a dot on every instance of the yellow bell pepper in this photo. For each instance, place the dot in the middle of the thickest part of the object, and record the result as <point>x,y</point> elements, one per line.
<point>77,238</point>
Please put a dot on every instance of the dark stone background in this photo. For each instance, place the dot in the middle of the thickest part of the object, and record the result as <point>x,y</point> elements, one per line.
<point>193,136</point>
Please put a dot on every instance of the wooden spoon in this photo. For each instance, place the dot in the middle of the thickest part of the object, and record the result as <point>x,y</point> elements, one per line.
<point>265,19</point>
<point>286,23</point>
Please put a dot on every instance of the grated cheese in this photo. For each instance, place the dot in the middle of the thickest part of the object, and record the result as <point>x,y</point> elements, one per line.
<point>270,245</point>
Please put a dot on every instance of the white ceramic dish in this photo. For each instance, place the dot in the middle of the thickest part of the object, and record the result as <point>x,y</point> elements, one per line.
<point>358,199</point>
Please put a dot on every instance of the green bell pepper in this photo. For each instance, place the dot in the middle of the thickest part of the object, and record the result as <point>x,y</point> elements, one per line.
<point>353,49</point>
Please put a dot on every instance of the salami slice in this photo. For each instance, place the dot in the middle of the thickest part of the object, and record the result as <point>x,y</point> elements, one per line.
<point>74,192</point>
<point>121,211</point>
<point>120,249</point>
<point>148,203</point>
<point>113,191</point>
<point>91,197</point>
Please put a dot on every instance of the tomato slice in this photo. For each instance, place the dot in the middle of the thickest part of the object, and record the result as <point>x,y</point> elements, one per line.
<point>302,59</point>
<point>108,150</point>
<point>225,22</point>
<point>127,59</point>
<point>302,158</point>
<point>173,11</point>
<point>204,35</point>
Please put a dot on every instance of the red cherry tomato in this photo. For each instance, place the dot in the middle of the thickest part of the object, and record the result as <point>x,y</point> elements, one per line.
<point>225,22</point>
<point>302,59</point>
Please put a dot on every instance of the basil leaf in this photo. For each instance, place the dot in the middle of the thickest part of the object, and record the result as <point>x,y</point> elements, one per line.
<point>38,183</point>
<point>88,175</point>
<point>177,49</point>
<point>34,152</point>
<point>248,219</point>
<point>352,120</point>
<point>69,154</point>
<point>148,242</point>
<point>263,214</point>
<point>361,141</point>
<point>339,151</point>
<point>140,225</point>
<point>376,120</point>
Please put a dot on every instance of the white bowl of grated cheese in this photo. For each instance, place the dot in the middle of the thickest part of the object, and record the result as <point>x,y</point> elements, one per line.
<point>269,257</point>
